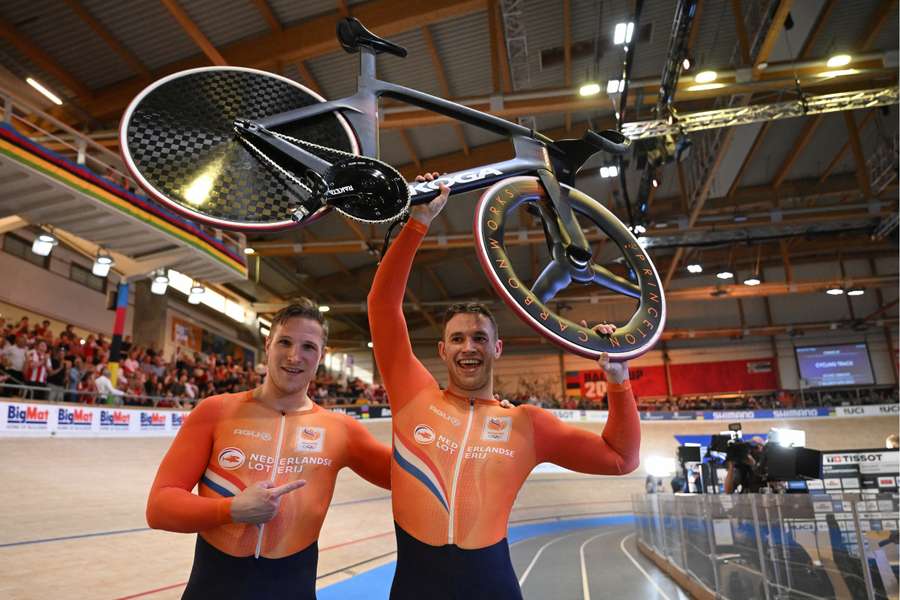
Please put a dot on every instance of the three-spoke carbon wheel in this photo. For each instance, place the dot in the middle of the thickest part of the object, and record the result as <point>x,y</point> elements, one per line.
<point>494,213</point>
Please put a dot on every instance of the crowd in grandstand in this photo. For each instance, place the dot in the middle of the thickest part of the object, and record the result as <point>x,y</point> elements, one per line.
<point>64,366</point>
<point>67,367</point>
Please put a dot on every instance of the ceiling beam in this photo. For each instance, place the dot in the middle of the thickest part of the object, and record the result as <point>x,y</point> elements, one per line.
<point>877,20</point>
<point>817,28</point>
<point>266,11</point>
<point>441,74</point>
<point>309,39</point>
<point>774,31</point>
<point>411,150</point>
<point>193,32</point>
<point>567,53</point>
<point>42,60</point>
<point>800,144</point>
<point>308,78</point>
<point>840,153</point>
<point>702,196</point>
<point>862,173</point>
<point>115,45</point>
<point>495,26</point>
<point>757,144</point>
<point>741,27</point>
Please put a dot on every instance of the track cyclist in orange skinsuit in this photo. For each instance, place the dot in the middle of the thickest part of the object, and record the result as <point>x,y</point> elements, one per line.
<point>248,453</point>
<point>459,460</point>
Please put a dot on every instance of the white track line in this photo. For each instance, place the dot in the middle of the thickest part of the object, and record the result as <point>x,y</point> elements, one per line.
<point>538,555</point>
<point>640,568</point>
<point>584,577</point>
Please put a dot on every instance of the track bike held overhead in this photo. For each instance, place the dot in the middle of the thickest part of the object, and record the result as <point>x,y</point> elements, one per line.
<point>247,150</point>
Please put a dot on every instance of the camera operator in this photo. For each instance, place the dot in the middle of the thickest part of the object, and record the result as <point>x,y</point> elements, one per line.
<point>743,463</point>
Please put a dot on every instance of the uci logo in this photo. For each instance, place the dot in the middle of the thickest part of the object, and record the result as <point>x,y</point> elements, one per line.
<point>231,458</point>
<point>423,434</point>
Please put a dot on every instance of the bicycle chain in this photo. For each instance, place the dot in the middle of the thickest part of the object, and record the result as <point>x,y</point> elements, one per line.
<point>302,211</point>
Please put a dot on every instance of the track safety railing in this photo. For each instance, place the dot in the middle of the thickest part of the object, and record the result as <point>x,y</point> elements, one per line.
<point>774,546</point>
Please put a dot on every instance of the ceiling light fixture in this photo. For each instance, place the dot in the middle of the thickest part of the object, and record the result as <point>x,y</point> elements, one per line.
<point>248,251</point>
<point>622,33</point>
<point>838,60</point>
<point>706,77</point>
<point>43,90</point>
<point>835,290</point>
<point>725,274</point>
<point>589,89</point>
<point>43,244</point>
<point>196,294</point>
<point>856,292</point>
<point>102,263</point>
<point>755,278</point>
<point>160,283</point>
<point>695,268</point>
<point>324,308</point>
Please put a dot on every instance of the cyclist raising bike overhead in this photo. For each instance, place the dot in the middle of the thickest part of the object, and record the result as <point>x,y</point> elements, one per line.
<point>459,459</point>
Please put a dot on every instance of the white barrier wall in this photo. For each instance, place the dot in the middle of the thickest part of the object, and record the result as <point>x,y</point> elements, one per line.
<point>37,419</point>
<point>43,419</point>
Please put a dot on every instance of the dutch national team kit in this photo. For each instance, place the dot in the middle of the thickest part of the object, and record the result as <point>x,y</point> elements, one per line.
<point>458,463</point>
<point>231,441</point>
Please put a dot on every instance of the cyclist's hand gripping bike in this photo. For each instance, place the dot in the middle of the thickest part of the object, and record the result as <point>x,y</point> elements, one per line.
<point>247,150</point>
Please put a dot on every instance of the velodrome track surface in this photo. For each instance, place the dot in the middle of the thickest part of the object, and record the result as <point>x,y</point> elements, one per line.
<point>73,527</point>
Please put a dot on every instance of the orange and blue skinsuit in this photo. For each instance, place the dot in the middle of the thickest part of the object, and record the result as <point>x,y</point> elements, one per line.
<point>458,463</point>
<point>232,441</point>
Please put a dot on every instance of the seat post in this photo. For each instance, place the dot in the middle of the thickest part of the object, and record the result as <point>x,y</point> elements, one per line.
<point>365,122</point>
<point>366,63</point>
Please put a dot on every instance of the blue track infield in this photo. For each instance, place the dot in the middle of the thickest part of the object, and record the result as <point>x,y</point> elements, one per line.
<point>377,582</point>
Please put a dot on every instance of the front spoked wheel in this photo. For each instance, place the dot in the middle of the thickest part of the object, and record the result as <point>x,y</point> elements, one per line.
<point>531,297</point>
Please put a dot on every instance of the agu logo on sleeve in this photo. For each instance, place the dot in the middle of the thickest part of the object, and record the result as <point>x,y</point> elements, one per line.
<point>77,419</point>
<point>310,439</point>
<point>231,458</point>
<point>27,417</point>
<point>423,434</point>
<point>153,421</point>
<point>496,429</point>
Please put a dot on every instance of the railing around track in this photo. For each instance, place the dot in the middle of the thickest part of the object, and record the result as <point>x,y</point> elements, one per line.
<point>775,547</point>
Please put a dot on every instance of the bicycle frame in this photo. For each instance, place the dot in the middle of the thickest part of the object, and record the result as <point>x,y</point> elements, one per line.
<point>361,110</point>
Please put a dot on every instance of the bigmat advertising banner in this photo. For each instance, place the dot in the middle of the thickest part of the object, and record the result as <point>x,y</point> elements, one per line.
<point>43,419</point>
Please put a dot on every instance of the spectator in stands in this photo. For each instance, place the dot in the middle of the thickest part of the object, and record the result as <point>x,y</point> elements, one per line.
<point>37,367</point>
<point>56,377</point>
<point>14,355</point>
<point>107,393</point>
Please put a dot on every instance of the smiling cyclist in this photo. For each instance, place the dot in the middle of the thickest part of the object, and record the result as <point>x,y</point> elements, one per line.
<point>248,453</point>
<point>459,459</point>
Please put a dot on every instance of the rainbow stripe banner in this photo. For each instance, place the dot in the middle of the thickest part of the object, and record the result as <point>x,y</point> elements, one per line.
<point>24,151</point>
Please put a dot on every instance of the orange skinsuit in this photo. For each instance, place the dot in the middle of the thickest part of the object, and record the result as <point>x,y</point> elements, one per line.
<point>458,463</point>
<point>231,441</point>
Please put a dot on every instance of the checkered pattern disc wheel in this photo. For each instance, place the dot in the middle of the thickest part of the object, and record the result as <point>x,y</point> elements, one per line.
<point>178,140</point>
<point>535,301</point>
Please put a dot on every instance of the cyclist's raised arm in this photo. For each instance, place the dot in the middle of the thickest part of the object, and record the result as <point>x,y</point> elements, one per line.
<point>404,376</point>
<point>614,452</point>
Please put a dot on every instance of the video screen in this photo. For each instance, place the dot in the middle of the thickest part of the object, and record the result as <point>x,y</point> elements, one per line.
<point>823,366</point>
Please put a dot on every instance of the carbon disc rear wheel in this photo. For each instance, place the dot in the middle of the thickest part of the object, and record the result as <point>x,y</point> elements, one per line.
<point>178,141</point>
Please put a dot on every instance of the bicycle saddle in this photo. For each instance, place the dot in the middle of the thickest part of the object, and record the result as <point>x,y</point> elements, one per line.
<point>351,34</point>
